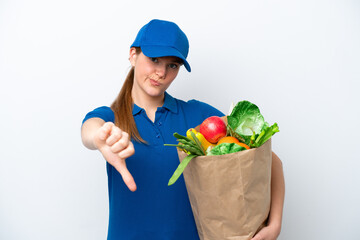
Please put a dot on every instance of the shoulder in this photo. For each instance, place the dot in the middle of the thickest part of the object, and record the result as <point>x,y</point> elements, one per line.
<point>196,107</point>
<point>104,112</point>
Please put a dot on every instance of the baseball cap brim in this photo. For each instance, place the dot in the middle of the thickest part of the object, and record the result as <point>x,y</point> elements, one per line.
<point>163,51</point>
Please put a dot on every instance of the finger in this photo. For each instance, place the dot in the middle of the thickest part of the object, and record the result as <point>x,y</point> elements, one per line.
<point>121,144</point>
<point>115,135</point>
<point>105,130</point>
<point>128,151</point>
<point>128,179</point>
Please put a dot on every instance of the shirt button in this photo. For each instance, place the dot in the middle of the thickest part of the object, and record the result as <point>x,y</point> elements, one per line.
<point>159,123</point>
<point>158,136</point>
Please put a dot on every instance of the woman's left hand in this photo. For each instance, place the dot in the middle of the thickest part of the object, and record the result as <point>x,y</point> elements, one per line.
<point>267,233</point>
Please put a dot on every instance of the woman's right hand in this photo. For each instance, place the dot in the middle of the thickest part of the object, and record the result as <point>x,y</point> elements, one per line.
<point>115,146</point>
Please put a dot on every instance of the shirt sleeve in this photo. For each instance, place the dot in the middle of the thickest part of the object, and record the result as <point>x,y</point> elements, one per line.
<point>104,112</point>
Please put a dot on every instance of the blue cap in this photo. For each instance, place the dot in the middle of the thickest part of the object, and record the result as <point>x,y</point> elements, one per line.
<point>161,38</point>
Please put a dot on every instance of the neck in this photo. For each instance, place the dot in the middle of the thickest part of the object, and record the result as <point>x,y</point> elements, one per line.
<point>148,103</point>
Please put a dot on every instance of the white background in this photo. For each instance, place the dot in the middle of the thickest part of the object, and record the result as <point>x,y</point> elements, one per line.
<point>299,61</point>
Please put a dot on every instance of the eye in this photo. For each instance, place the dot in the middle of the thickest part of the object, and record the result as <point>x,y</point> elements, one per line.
<point>173,66</point>
<point>155,60</point>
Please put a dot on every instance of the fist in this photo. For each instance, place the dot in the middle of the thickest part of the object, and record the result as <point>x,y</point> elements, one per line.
<point>115,146</point>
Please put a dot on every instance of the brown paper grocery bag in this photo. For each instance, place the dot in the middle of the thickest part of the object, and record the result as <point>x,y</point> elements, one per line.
<point>230,194</point>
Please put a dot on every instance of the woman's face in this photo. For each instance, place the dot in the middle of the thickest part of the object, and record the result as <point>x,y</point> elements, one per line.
<point>153,76</point>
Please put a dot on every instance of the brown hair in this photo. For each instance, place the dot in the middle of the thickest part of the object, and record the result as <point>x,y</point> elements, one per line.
<point>123,105</point>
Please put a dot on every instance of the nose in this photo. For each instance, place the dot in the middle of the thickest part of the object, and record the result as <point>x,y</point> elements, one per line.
<point>161,70</point>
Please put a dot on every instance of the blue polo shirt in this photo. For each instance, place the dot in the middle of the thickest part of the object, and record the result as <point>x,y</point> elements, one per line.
<point>154,211</point>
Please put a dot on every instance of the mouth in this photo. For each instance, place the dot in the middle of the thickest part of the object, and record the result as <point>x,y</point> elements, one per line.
<point>154,82</point>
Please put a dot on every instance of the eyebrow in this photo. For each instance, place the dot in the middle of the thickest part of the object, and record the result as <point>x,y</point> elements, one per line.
<point>174,59</point>
<point>179,61</point>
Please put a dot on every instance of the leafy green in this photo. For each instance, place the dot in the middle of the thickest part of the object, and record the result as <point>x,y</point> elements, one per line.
<point>179,170</point>
<point>188,145</point>
<point>232,133</point>
<point>246,119</point>
<point>266,134</point>
<point>225,148</point>
<point>196,140</point>
<point>247,122</point>
<point>192,148</point>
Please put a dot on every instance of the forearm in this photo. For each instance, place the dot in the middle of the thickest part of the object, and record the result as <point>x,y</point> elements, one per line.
<point>88,131</point>
<point>277,193</point>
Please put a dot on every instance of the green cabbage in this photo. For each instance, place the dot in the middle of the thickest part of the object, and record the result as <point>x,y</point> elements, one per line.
<point>225,148</point>
<point>246,123</point>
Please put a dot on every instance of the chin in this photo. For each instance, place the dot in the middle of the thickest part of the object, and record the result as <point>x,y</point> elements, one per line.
<point>155,93</point>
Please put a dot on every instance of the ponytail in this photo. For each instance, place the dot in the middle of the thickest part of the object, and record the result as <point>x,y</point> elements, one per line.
<point>122,108</point>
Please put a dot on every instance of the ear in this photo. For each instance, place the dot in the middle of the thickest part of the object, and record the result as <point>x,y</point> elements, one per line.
<point>132,56</point>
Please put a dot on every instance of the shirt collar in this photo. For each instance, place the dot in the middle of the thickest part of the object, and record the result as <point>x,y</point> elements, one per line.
<point>169,104</point>
<point>136,109</point>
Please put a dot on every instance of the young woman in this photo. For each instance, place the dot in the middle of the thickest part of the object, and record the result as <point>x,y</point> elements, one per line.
<point>130,135</point>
